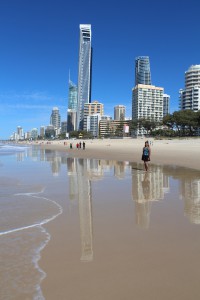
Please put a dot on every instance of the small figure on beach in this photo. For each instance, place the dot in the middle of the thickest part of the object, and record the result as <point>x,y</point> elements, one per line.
<point>77,146</point>
<point>70,145</point>
<point>83,145</point>
<point>146,154</point>
<point>80,145</point>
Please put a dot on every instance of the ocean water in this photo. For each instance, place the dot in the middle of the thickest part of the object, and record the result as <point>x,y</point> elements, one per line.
<point>23,212</point>
<point>118,232</point>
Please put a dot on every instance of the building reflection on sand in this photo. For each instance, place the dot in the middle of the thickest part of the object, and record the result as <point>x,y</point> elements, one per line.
<point>147,188</point>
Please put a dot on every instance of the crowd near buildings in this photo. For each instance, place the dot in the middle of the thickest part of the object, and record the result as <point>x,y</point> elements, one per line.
<point>148,101</point>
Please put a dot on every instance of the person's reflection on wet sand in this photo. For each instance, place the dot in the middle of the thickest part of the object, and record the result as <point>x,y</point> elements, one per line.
<point>146,186</point>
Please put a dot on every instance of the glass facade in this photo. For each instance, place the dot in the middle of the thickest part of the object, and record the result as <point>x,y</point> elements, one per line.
<point>142,70</point>
<point>72,96</point>
<point>84,72</point>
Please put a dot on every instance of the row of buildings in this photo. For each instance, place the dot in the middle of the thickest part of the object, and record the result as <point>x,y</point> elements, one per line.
<point>148,101</point>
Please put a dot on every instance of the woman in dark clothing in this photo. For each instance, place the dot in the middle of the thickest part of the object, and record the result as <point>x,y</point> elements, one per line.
<point>146,154</point>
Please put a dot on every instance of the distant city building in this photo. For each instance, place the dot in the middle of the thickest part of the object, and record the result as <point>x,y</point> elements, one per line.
<point>119,112</point>
<point>93,124</point>
<point>107,118</point>
<point>84,72</point>
<point>92,108</point>
<point>166,103</point>
<point>27,135</point>
<point>55,118</point>
<point>64,127</point>
<point>34,133</point>
<point>147,103</point>
<point>108,127</point>
<point>72,107</point>
<point>72,96</point>
<point>50,131</point>
<point>42,131</point>
<point>71,120</point>
<point>142,70</point>
<point>190,96</point>
<point>20,133</point>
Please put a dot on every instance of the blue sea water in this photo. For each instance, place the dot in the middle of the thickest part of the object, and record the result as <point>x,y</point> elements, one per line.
<point>23,211</point>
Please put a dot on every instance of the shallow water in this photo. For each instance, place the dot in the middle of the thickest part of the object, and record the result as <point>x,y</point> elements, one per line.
<point>94,229</point>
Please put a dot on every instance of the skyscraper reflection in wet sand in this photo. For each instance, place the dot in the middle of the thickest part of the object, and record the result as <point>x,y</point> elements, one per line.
<point>121,233</point>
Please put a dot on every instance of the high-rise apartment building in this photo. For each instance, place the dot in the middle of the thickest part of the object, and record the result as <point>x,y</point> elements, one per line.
<point>190,96</point>
<point>20,133</point>
<point>166,102</point>
<point>147,102</point>
<point>42,131</point>
<point>55,118</point>
<point>90,109</point>
<point>84,72</point>
<point>119,112</point>
<point>72,107</point>
<point>142,70</point>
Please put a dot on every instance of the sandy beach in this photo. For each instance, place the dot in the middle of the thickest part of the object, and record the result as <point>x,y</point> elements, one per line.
<point>92,224</point>
<point>183,152</point>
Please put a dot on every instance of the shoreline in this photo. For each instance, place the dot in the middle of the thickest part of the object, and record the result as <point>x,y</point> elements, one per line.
<point>182,153</point>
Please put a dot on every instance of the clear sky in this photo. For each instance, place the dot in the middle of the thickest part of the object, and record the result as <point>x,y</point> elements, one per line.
<point>39,43</point>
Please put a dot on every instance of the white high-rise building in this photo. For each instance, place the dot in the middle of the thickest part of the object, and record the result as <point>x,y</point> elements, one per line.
<point>84,72</point>
<point>90,109</point>
<point>147,103</point>
<point>190,96</point>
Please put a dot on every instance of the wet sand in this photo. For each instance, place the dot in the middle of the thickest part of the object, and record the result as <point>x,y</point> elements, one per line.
<point>124,238</point>
<point>121,233</point>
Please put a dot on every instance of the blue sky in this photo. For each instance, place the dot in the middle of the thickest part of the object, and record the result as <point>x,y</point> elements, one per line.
<point>40,42</point>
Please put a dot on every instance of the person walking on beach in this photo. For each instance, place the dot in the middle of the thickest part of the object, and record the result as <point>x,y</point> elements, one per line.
<point>146,154</point>
<point>83,145</point>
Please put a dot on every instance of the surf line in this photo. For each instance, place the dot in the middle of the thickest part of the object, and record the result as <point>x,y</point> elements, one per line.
<point>45,221</point>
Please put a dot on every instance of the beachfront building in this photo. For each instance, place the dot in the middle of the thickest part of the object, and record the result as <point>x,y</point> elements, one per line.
<point>50,131</point>
<point>110,128</point>
<point>42,131</point>
<point>64,127</point>
<point>34,133</point>
<point>119,112</point>
<point>72,106</point>
<point>55,120</point>
<point>90,109</point>
<point>147,103</point>
<point>84,72</point>
<point>92,122</point>
<point>20,133</point>
<point>142,70</point>
<point>189,98</point>
<point>166,102</point>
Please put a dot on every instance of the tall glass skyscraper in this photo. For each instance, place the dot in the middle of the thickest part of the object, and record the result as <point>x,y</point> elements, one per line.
<point>84,72</point>
<point>142,70</point>
<point>72,96</point>
<point>72,107</point>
